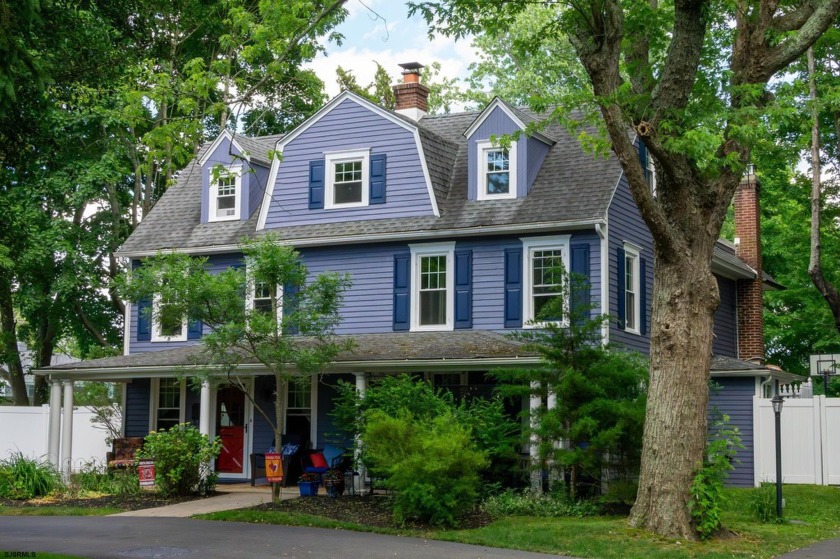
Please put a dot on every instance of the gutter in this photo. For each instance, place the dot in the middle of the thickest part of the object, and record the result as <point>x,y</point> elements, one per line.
<point>380,237</point>
<point>254,369</point>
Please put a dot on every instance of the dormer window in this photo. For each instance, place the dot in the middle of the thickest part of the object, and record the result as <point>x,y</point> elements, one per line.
<point>348,174</point>
<point>225,195</point>
<point>496,171</point>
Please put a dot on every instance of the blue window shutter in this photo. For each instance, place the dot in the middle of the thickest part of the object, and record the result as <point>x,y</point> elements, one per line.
<point>463,289</point>
<point>642,296</point>
<point>643,155</point>
<point>316,184</point>
<point>144,321</point>
<point>513,288</point>
<point>580,296</point>
<point>402,293</point>
<point>619,300</point>
<point>377,178</point>
<point>289,302</point>
<point>194,329</point>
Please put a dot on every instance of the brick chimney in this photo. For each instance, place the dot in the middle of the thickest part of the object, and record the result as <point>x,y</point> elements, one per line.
<point>411,97</point>
<point>748,248</point>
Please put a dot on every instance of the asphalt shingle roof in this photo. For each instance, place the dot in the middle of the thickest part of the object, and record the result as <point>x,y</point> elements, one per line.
<point>428,347</point>
<point>571,185</point>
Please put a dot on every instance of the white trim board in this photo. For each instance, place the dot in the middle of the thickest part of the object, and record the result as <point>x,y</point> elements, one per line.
<point>215,145</point>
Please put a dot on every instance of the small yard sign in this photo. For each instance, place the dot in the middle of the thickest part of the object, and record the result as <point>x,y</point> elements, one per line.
<point>146,473</point>
<point>274,467</point>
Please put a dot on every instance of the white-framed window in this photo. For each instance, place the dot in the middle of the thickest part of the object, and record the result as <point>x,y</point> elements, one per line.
<point>168,403</point>
<point>496,171</point>
<point>544,261</point>
<point>432,286</point>
<point>631,288</point>
<point>167,326</point>
<point>299,396</point>
<point>259,296</point>
<point>347,179</point>
<point>651,174</point>
<point>225,195</point>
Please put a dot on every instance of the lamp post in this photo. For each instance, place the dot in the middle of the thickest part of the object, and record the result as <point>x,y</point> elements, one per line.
<point>777,402</point>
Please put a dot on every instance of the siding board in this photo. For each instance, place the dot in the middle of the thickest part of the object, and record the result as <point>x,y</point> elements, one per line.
<point>735,399</point>
<point>137,399</point>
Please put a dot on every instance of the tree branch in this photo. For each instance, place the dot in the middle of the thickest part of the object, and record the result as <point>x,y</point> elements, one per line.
<point>90,326</point>
<point>683,59</point>
<point>789,50</point>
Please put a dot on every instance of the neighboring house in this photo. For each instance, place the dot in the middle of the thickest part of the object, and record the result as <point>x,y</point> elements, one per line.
<point>445,236</point>
<point>26,356</point>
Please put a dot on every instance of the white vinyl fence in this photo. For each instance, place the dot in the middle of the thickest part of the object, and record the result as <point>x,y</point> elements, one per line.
<point>26,430</point>
<point>810,440</point>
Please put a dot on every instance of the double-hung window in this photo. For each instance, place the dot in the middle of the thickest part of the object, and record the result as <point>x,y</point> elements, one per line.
<point>225,194</point>
<point>631,288</point>
<point>168,325</point>
<point>496,171</point>
<point>168,399</point>
<point>546,263</point>
<point>347,179</point>
<point>433,281</point>
<point>259,296</point>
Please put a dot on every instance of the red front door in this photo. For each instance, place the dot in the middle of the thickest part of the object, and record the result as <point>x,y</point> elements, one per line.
<point>230,427</point>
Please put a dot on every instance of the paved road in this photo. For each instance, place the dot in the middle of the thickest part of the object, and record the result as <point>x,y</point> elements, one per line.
<point>828,549</point>
<point>122,537</point>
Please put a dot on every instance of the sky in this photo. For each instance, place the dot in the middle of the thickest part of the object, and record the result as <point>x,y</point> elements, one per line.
<point>380,31</point>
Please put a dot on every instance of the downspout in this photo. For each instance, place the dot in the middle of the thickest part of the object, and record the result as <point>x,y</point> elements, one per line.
<point>601,229</point>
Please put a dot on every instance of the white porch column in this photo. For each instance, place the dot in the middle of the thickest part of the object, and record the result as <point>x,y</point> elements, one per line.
<point>67,430</point>
<point>204,409</point>
<point>553,471</point>
<point>361,388</point>
<point>534,406</point>
<point>55,422</point>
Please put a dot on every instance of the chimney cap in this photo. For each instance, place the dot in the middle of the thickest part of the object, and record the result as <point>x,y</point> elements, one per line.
<point>411,67</point>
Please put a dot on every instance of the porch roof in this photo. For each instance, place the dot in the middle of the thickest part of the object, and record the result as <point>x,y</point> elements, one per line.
<point>723,366</point>
<point>397,351</point>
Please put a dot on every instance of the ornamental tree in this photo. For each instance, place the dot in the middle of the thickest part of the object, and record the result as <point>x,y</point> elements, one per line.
<point>292,337</point>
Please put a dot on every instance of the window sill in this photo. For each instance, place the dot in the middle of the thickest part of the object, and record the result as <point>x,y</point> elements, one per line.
<point>433,328</point>
<point>227,218</point>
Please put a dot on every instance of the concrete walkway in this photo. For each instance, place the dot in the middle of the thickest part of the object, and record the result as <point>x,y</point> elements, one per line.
<point>232,497</point>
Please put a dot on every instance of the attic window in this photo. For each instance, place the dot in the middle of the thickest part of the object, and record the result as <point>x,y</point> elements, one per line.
<point>348,174</point>
<point>225,194</point>
<point>496,171</point>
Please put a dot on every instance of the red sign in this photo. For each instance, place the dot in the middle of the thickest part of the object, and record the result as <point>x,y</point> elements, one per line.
<point>274,467</point>
<point>146,473</point>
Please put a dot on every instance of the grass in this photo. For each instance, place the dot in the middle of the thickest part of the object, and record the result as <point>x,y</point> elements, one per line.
<point>610,538</point>
<point>57,510</point>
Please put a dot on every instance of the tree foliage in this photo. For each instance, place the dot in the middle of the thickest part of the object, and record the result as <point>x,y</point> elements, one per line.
<point>690,80</point>
<point>101,102</point>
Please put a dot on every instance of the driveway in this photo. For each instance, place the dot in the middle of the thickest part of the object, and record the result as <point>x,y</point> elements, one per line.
<point>182,537</point>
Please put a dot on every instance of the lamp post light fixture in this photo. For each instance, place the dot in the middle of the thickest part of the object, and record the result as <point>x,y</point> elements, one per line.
<point>777,402</point>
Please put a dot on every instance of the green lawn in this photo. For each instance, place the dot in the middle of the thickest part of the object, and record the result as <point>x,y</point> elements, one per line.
<point>609,537</point>
<point>57,511</point>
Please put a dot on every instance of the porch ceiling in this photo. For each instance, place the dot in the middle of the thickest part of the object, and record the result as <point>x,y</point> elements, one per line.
<point>398,351</point>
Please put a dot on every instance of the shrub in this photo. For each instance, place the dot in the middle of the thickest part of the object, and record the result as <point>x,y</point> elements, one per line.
<point>554,504</point>
<point>762,502</point>
<point>182,458</point>
<point>93,477</point>
<point>431,465</point>
<point>707,494</point>
<point>26,478</point>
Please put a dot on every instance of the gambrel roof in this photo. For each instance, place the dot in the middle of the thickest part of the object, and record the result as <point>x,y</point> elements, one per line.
<point>572,188</point>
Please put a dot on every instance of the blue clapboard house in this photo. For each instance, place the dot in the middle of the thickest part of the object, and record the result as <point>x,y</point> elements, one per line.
<point>445,235</point>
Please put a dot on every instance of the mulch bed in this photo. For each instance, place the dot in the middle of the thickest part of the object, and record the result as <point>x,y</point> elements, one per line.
<point>127,503</point>
<point>368,510</point>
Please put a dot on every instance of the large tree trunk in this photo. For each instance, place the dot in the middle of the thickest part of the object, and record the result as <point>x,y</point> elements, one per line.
<point>685,300</point>
<point>8,331</point>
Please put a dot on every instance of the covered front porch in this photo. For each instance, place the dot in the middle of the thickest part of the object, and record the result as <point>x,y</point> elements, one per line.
<point>158,393</point>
